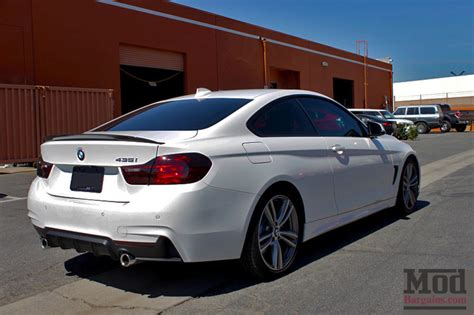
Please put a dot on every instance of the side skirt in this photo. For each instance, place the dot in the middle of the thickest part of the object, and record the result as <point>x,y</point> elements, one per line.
<point>316,228</point>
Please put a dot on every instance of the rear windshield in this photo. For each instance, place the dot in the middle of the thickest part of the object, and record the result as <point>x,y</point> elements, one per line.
<point>189,114</point>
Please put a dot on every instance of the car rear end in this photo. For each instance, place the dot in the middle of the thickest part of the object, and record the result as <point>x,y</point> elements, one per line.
<point>133,197</point>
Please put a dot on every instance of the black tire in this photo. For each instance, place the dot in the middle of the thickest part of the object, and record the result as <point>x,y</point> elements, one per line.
<point>252,260</point>
<point>422,127</point>
<point>445,126</point>
<point>461,128</point>
<point>402,205</point>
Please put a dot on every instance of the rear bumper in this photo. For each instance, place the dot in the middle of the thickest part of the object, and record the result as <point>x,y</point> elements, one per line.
<point>203,223</point>
<point>162,249</point>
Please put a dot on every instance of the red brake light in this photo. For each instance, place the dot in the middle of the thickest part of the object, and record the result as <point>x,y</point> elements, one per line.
<point>43,169</point>
<point>168,169</point>
<point>387,124</point>
<point>458,114</point>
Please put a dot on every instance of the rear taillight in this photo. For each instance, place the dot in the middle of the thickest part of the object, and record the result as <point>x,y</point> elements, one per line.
<point>458,114</point>
<point>168,170</point>
<point>43,169</point>
<point>387,124</point>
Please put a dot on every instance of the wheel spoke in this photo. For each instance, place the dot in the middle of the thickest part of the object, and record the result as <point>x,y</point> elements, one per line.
<point>414,181</point>
<point>412,198</point>
<point>405,197</point>
<point>288,241</point>
<point>405,182</point>
<point>269,216</point>
<point>289,234</point>
<point>263,248</point>
<point>283,211</point>
<point>264,238</point>
<point>273,212</point>
<point>288,213</point>
<point>277,257</point>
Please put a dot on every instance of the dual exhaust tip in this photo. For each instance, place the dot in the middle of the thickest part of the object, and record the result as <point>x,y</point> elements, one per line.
<point>126,259</point>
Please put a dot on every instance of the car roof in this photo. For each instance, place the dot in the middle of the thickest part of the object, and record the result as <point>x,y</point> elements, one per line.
<point>424,105</point>
<point>247,94</point>
<point>365,109</point>
<point>371,117</point>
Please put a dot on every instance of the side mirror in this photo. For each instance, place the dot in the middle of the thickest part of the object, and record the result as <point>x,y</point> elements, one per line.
<point>375,129</point>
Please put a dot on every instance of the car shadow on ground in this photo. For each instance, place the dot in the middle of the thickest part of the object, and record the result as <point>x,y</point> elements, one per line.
<point>155,279</point>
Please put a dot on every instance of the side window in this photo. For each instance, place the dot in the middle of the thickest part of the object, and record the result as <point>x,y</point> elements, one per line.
<point>330,120</point>
<point>400,111</point>
<point>283,118</point>
<point>427,110</point>
<point>412,111</point>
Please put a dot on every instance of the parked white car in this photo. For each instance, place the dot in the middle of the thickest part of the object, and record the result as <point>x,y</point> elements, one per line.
<point>382,113</point>
<point>246,175</point>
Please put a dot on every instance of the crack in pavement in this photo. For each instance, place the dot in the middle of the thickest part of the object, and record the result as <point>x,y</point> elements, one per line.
<point>92,305</point>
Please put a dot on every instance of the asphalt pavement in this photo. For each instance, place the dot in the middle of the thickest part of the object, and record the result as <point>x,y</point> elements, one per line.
<point>354,269</point>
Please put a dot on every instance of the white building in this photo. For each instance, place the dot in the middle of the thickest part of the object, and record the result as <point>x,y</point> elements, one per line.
<point>457,91</point>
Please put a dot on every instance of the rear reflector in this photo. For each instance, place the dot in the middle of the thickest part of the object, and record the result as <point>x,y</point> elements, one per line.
<point>43,169</point>
<point>168,170</point>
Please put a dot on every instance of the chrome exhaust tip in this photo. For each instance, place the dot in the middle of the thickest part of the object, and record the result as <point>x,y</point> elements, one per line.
<point>44,243</point>
<point>127,260</point>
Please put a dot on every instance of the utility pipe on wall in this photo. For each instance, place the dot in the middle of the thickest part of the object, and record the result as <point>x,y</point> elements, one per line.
<point>265,66</point>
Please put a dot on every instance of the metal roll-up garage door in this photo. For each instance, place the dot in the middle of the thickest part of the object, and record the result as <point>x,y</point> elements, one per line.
<point>151,58</point>
<point>149,75</point>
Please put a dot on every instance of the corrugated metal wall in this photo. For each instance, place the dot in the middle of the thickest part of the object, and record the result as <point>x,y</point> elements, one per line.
<point>29,113</point>
<point>19,126</point>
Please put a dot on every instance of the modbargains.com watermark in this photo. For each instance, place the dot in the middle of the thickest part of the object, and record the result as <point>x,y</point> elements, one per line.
<point>439,290</point>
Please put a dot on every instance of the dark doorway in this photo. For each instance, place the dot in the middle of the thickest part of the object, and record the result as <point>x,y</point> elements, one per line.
<point>284,79</point>
<point>141,86</point>
<point>343,92</point>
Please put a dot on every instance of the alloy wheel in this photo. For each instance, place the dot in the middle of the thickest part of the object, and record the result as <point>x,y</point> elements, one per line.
<point>278,233</point>
<point>421,128</point>
<point>411,185</point>
<point>444,127</point>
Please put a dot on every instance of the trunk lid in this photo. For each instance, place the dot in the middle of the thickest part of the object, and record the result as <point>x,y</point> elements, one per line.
<point>106,152</point>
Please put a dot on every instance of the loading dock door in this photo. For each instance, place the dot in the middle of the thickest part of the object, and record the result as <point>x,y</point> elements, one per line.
<point>149,75</point>
<point>343,92</point>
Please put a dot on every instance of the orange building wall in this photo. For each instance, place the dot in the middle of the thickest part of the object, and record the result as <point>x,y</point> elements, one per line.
<point>76,43</point>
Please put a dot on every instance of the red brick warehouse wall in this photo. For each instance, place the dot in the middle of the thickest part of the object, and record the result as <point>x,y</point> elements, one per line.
<point>76,43</point>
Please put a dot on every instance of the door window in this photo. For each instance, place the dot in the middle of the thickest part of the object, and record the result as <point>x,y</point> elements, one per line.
<point>284,118</point>
<point>400,111</point>
<point>412,111</point>
<point>330,119</point>
<point>427,110</point>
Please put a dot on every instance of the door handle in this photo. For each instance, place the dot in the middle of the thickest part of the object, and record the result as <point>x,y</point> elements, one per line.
<point>339,149</point>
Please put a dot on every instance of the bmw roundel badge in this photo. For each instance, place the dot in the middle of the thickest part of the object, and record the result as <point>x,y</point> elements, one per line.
<point>80,154</point>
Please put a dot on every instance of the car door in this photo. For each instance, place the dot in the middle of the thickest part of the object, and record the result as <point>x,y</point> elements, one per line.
<point>298,155</point>
<point>413,113</point>
<point>430,115</point>
<point>362,167</point>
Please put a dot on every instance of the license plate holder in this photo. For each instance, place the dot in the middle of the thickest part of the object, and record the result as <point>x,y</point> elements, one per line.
<point>87,179</point>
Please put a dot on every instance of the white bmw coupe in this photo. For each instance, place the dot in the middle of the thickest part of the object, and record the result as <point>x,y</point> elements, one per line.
<point>245,174</point>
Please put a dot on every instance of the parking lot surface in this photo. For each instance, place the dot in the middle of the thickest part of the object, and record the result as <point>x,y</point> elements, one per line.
<point>354,269</point>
